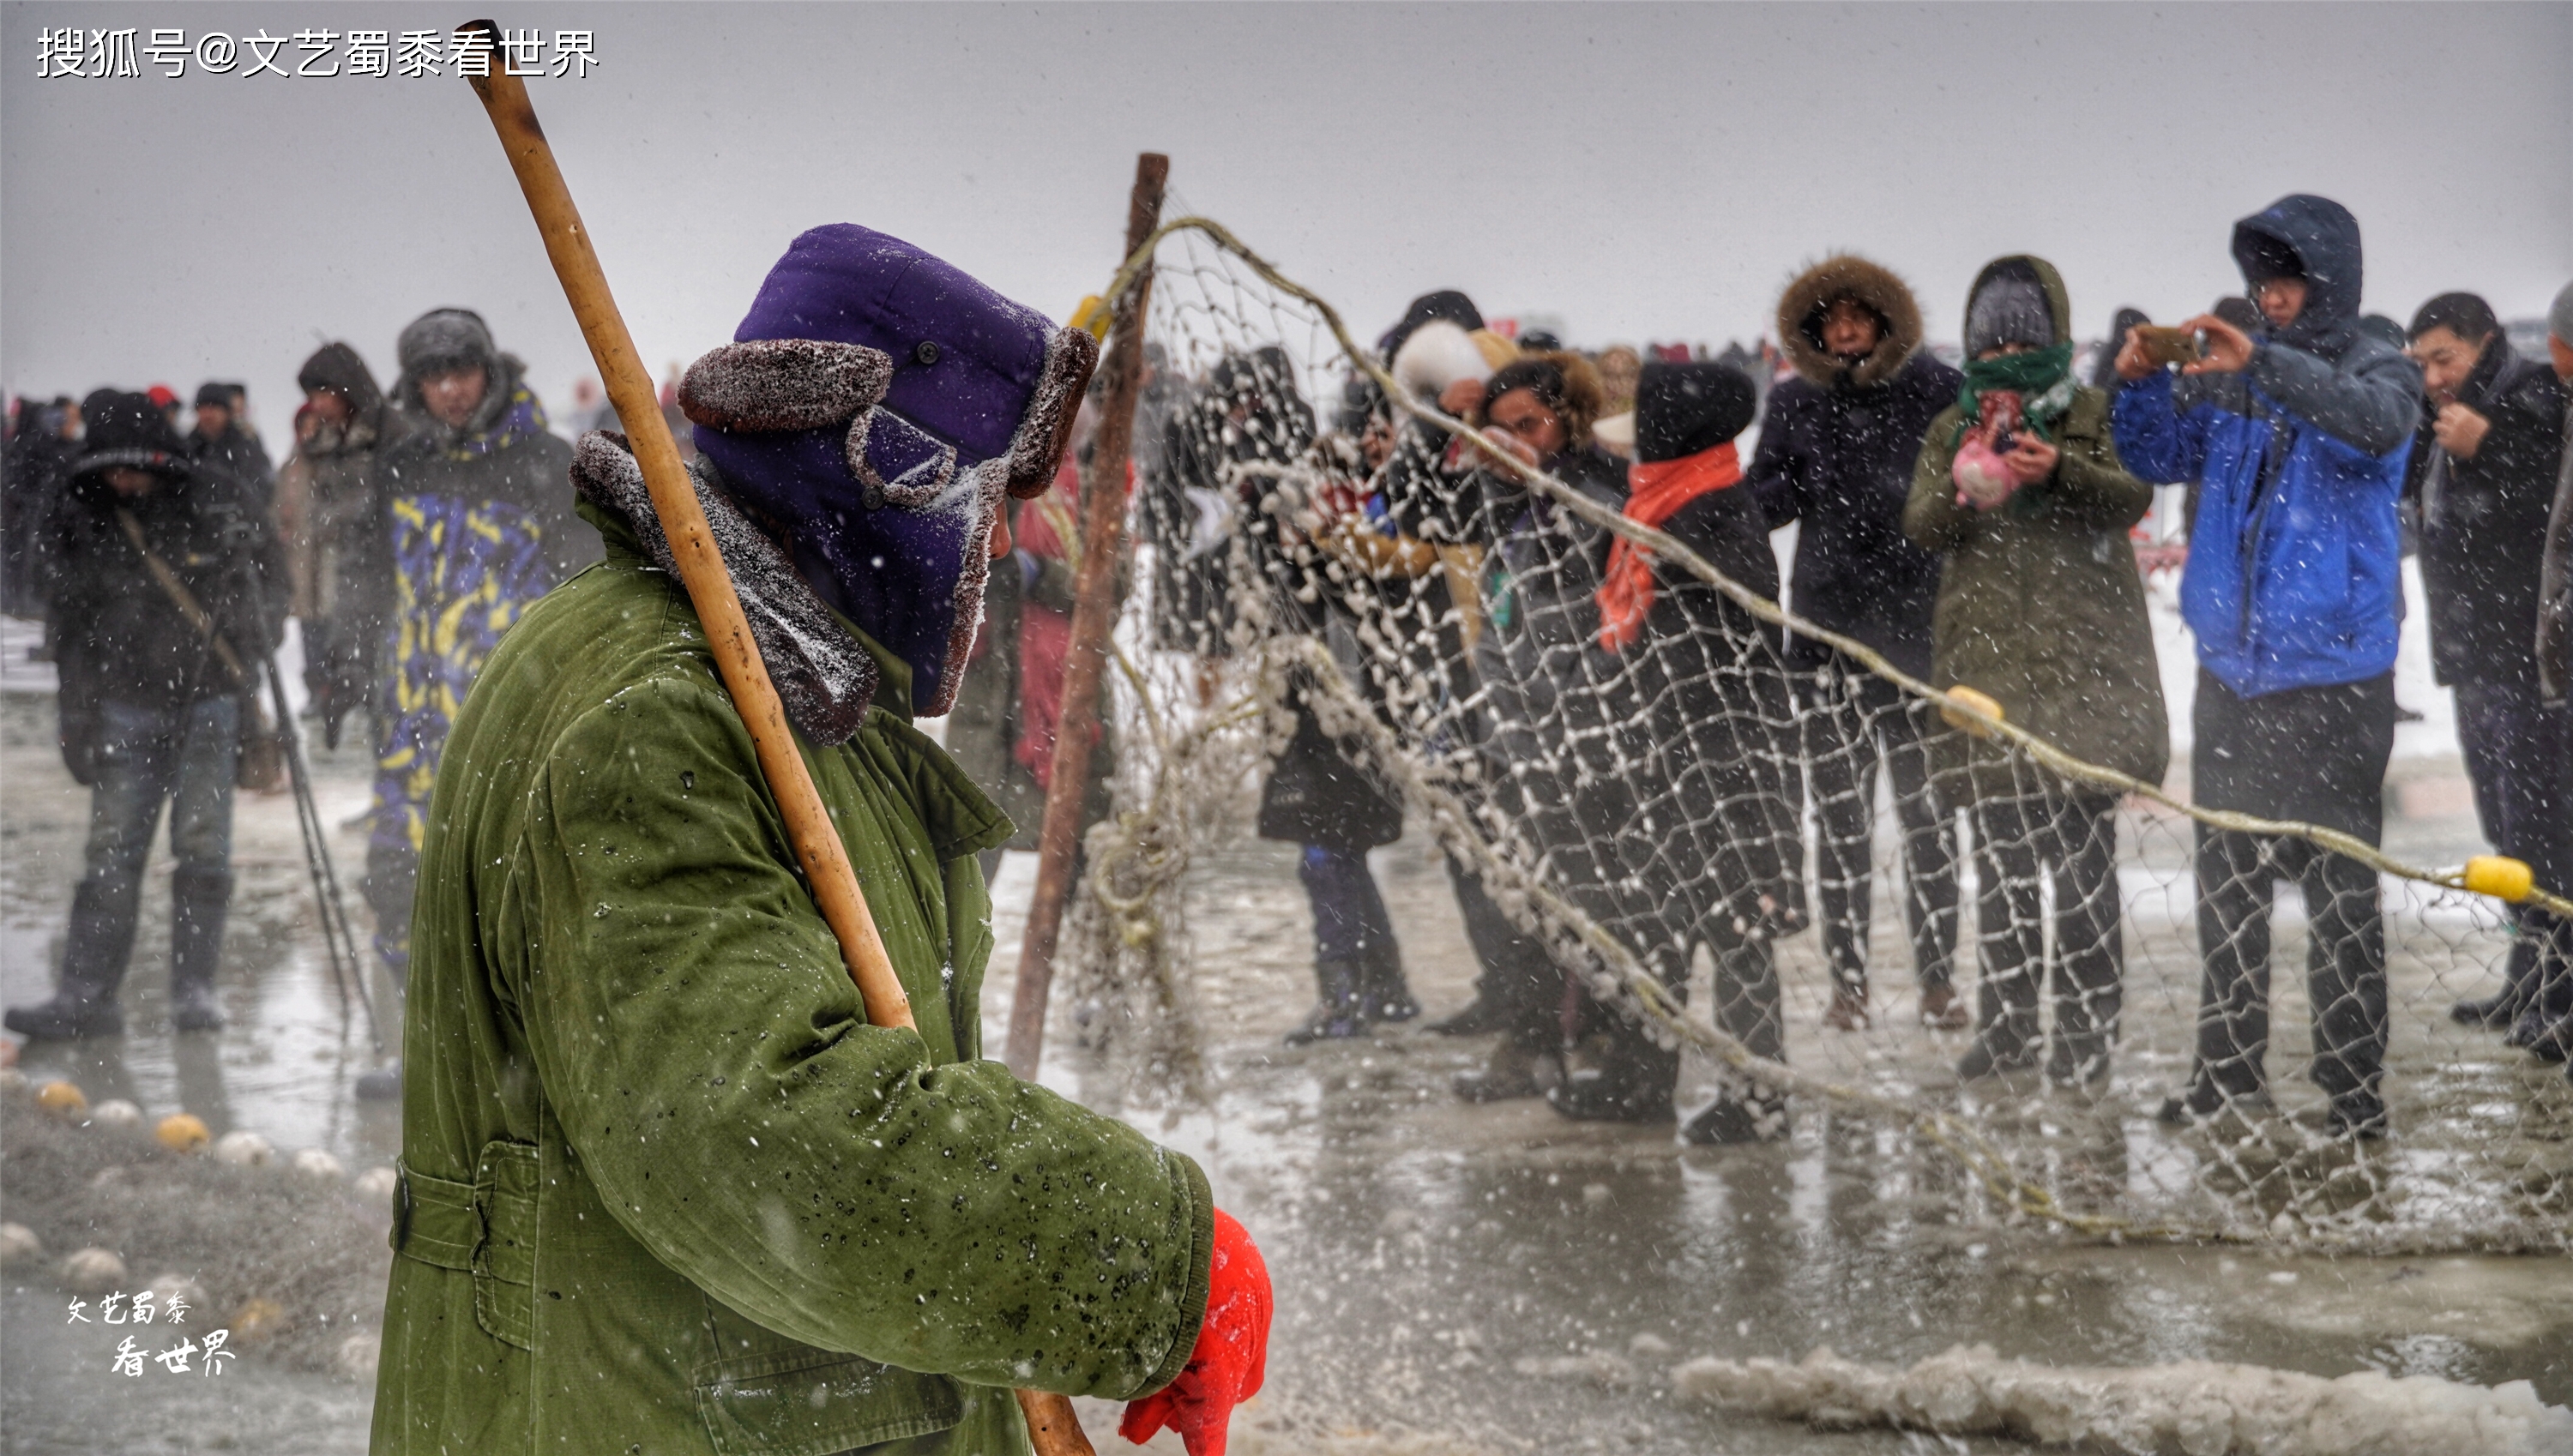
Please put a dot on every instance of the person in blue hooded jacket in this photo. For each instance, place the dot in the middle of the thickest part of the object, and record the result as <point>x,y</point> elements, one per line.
<point>2294,595</point>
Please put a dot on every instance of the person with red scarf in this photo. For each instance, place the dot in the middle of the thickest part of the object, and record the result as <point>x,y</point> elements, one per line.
<point>1711,682</point>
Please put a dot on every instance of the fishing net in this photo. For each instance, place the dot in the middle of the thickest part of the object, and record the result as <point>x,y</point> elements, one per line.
<point>1695,842</point>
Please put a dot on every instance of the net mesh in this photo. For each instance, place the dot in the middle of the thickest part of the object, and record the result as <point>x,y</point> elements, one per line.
<point>1759,860</point>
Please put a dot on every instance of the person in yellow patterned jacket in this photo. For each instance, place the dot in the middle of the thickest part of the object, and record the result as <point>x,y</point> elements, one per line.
<point>481,514</point>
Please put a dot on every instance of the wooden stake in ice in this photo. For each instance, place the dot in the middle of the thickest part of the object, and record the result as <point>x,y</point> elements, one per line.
<point>1093,620</point>
<point>816,843</point>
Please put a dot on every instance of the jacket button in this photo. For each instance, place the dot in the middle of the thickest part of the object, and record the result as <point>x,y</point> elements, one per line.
<point>925,352</point>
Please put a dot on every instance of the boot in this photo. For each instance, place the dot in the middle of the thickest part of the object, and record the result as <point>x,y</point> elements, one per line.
<point>94,956</point>
<point>1339,1013</point>
<point>1634,1084</point>
<point>2545,1023</point>
<point>1383,993</point>
<point>198,903</point>
<point>1510,1073</point>
<point>1849,1009</point>
<point>1941,1010</point>
<point>2006,1043</point>
<point>2503,1007</point>
<point>1748,1115</point>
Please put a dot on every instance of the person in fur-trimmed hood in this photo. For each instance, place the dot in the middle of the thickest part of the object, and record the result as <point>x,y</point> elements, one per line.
<point>666,1188</point>
<point>1837,445</point>
<point>2020,490</point>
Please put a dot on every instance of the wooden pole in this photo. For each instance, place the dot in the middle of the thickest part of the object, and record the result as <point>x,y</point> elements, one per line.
<point>1052,1426</point>
<point>1093,619</point>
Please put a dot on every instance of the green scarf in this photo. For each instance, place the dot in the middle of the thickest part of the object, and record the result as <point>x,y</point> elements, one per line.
<point>2043,379</point>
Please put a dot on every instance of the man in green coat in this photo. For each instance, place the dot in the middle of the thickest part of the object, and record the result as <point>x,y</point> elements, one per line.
<point>664,1188</point>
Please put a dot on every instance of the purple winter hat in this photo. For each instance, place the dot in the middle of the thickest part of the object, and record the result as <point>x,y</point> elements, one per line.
<point>878,402</point>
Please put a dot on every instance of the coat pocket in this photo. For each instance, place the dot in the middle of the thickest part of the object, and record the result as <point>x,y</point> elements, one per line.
<point>766,1395</point>
<point>504,1259</point>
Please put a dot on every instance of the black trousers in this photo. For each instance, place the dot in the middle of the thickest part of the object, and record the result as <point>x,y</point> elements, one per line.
<point>2318,756</point>
<point>2519,755</point>
<point>1853,721</point>
<point>2020,842</point>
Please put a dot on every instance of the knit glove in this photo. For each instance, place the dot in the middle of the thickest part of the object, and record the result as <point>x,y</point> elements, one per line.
<point>1232,1356</point>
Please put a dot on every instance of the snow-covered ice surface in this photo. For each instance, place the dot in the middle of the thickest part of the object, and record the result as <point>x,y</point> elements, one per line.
<point>2195,1407</point>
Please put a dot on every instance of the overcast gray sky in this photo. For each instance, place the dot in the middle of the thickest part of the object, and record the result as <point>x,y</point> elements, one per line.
<point>1642,172</point>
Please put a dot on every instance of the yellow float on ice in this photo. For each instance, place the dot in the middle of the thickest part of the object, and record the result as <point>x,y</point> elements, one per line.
<point>62,1099</point>
<point>182,1132</point>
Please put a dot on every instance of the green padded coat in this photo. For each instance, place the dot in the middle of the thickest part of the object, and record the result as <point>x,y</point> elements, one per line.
<point>663,1188</point>
<point>2040,603</point>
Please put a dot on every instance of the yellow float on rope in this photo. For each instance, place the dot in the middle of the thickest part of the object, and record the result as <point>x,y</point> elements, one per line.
<point>1963,703</point>
<point>182,1132</point>
<point>2500,877</point>
<point>1092,318</point>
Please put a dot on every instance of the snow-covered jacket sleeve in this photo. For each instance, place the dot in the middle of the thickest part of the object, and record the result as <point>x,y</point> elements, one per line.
<point>2370,399</point>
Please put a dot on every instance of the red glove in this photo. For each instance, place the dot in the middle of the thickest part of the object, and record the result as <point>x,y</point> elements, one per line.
<point>1232,1357</point>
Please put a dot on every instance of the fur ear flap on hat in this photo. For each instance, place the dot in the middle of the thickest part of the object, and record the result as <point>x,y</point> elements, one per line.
<point>1438,355</point>
<point>771,384</point>
<point>1045,432</point>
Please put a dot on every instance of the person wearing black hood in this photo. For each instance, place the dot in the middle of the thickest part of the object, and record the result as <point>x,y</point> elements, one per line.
<point>1835,452</point>
<point>221,442</point>
<point>2481,478</point>
<point>1713,839</point>
<point>2294,593</point>
<point>171,595</point>
<point>331,507</point>
<point>479,496</point>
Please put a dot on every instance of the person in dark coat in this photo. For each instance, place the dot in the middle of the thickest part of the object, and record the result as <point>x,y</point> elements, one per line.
<point>2483,477</point>
<point>222,442</point>
<point>42,448</point>
<point>481,501</point>
<point>150,701</point>
<point>1837,447</point>
<point>2294,594</point>
<point>2041,608</point>
<point>1560,738</point>
<point>2555,571</point>
<point>332,509</point>
<point>1714,838</point>
<point>1415,560</point>
<point>1256,443</point>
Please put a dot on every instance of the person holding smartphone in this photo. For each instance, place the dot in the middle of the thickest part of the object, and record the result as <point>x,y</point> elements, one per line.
<point>2021,493</point>
<point>2294,595</point>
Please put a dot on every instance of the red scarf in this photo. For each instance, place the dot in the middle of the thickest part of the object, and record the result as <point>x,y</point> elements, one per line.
<point>1655,493</point>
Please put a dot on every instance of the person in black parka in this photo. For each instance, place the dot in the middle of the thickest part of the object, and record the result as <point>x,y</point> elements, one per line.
<point>1835,452</point>
<point>2479,483</point>
<point>1715,837</point>
<point>150,700</point>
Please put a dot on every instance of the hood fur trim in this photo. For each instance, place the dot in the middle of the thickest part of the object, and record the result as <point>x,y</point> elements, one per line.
<point>824,679</point>
<point>1848,276</point>
<point>1045,432</point>
<point>783,384</point>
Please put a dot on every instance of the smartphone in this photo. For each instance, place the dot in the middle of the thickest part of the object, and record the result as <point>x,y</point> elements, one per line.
<point>2166,346</point>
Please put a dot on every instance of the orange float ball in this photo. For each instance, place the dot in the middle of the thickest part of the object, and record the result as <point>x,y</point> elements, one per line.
<point>182,1132</point>
<point>62,1099</point>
